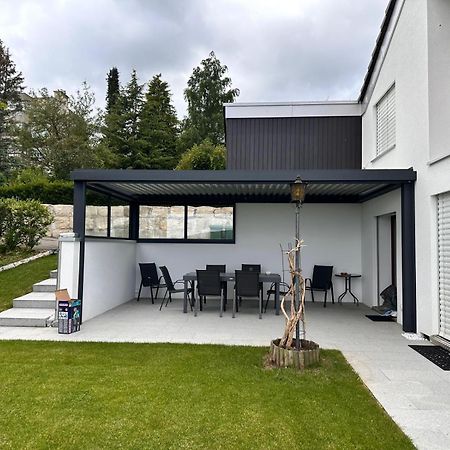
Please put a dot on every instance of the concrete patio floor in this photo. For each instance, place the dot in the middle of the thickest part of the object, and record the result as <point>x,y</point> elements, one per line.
<point>415,392</point>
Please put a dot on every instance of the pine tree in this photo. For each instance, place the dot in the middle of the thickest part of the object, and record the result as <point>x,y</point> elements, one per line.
<point>11,86</point>
<point>158,128</point>
<point>130,106</point>
<point>208,89</point>
<point>113,89</point>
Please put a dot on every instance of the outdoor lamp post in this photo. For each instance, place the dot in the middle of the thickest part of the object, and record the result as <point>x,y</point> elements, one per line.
<point>298,191</point>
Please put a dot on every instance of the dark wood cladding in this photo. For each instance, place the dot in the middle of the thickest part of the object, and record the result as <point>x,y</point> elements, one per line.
<point>294,143</point>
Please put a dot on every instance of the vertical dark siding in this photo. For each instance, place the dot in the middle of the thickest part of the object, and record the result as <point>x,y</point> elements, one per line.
<point>294,143</point>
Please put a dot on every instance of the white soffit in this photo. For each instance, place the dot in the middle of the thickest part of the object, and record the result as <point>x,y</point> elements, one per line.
<point>293,109</point>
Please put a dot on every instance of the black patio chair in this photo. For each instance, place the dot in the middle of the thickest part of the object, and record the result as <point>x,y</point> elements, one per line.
<point>322,280</point>
<point>171,289</point>
<point>247,285</point>
<point>284,288</point>
<point>251,267</point>
<point>221,268</point>
<point>149,278</point>
<point>208,283</point>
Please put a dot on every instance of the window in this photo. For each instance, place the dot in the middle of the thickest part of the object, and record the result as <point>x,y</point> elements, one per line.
<point>120,221</point>
<point>209,222</point>
<point>187,223</point>
<point>161,222</point>
<point>106,216</point>
<point>385,110</point>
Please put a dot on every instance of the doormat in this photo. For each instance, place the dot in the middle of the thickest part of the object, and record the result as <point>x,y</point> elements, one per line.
<point>437,355</point>
<point>377,318</point>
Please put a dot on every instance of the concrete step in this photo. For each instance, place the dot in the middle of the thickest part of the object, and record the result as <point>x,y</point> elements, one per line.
<point>39,300</point>
<point>48,285</point>
<point>26,317</point>
<point>54,273</point>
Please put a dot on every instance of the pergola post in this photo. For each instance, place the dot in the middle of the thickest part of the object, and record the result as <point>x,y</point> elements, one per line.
<point>79,219</point>
<point>134,221</point>
<point>408,257</point>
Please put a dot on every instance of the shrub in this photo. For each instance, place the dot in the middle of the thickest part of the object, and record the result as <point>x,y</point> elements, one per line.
<point>22,222</point>
<point>205,156</point>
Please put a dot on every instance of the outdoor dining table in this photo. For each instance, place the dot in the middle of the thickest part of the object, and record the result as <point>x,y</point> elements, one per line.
<point>264,277</point>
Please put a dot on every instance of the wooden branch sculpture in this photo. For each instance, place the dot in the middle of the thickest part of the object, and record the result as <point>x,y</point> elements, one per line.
<point>294,315</point>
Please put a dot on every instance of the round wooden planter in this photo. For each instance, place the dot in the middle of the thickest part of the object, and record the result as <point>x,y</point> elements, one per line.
<point>308,354</point>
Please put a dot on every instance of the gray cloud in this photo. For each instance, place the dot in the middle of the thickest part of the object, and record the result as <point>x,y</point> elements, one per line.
<point>275,50</point>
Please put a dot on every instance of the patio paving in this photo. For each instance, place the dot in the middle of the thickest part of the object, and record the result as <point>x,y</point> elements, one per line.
<point>411,389</point>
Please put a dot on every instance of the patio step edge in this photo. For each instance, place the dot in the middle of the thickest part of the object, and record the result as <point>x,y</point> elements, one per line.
<point>48,285</point>
<point>26,317</point>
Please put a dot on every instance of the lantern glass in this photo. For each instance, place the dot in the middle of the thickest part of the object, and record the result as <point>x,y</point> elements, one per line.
<point>298,190</point>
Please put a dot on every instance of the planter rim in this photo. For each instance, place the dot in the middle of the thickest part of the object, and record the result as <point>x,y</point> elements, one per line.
<point>314,345</point>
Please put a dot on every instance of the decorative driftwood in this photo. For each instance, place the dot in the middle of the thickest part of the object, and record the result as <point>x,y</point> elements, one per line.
<point>283,352</point>
<point>298,315</point>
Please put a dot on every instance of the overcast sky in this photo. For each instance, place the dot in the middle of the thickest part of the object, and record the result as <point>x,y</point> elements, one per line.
<point>276,50</point>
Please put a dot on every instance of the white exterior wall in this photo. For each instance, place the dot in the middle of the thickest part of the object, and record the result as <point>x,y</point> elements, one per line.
<point>332,235</point>
<point>109,275</point>
<point>68,263</point>
<point>418,61</point>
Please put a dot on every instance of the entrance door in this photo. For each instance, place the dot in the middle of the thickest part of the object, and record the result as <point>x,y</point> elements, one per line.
<point>444,264</point>
<point>386,252</point>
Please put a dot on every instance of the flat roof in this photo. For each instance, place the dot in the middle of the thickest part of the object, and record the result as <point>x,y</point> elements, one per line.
<point>292,109</point>
<point>235,186</point>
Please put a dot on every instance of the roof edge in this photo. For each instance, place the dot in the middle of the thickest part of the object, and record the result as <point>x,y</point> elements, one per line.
<point>389,14</point>
<point>242,176</point>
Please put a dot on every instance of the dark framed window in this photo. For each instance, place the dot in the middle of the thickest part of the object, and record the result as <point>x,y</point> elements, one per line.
<point>188,223</point>
<point>106,217</point>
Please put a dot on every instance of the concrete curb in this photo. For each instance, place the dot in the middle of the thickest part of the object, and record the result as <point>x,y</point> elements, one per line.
<point>27,260</point>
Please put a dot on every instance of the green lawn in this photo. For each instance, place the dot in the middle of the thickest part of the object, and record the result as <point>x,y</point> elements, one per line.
<point>16,255</point>
<point>163,396</point>
<point>19,281</point>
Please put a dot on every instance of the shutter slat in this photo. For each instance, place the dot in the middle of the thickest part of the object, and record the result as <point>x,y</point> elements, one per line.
<point>444,263</point>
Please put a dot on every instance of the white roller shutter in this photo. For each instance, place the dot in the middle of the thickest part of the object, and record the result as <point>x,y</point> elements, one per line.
<point>444,263</point>
<point>385,111</point>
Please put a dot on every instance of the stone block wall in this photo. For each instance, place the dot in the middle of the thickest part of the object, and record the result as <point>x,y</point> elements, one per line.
<point>154,221</point>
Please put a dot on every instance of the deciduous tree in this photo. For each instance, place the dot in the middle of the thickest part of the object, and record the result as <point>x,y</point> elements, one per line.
<point>61,133</point>
<point>208,89</point>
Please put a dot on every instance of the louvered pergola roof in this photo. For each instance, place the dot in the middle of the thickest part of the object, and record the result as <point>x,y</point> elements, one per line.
<point>234,186</point>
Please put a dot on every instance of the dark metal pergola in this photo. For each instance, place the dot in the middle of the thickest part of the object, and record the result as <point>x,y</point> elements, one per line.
<point>162,187</point>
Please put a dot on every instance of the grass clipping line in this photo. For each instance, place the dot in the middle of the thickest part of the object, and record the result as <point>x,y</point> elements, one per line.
<point>294,316</point>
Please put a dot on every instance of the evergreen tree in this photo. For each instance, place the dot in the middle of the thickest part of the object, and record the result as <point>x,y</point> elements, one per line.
<point>208,89</point>
<point>113,89</point>
<point>11,86</point>
<point>157,128</point>
<point>121,123</point>
<point>129,111</point>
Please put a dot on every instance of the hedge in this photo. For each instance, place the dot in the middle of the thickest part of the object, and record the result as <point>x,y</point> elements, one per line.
<point>51,192</point>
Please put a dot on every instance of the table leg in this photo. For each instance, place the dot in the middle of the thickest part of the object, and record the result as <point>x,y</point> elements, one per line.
<point>345,291</point>
<point>355,299</point>
<point>277,299</point>
<point>185,301</point>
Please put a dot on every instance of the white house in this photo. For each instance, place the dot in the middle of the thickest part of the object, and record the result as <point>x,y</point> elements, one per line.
<point>378,198</point>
